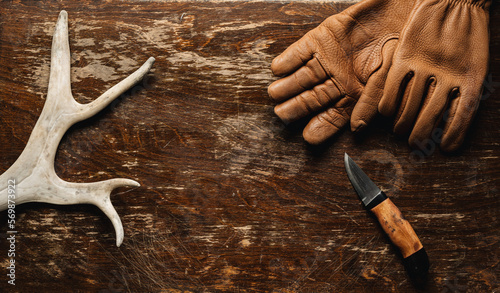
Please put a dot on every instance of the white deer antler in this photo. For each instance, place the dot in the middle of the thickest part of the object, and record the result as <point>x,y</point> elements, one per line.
<point>33,171</point>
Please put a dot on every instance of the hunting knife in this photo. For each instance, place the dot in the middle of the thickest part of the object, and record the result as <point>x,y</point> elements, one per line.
<point>398,229</point>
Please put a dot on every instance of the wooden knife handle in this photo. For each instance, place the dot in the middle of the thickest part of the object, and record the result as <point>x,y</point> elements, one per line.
<point>404,237</point>
<point>397,227</point>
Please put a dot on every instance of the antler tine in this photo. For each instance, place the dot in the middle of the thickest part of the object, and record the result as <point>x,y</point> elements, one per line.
<point>89,110</point>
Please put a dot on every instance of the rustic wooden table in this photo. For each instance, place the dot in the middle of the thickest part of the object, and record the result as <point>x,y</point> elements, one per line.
<point>231,199</point>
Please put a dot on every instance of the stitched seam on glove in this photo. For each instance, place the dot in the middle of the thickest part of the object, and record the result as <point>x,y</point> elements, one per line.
<point>341,89</point>
<point>378,51</point>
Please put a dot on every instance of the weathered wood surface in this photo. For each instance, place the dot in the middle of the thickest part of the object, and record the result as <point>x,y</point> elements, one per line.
<point>231,199</point>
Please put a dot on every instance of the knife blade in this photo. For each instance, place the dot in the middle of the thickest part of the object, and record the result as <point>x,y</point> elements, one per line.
<point>398,229</point>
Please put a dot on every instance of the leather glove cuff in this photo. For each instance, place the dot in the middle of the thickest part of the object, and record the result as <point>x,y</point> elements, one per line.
<point>479,3</point>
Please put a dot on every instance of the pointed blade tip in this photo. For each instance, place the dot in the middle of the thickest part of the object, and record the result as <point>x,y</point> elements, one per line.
<point>364,186</point>
<point>346,160</point>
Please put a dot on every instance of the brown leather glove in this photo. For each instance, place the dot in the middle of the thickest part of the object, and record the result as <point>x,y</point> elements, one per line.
<point>343,60</point>
<point>440,63</point>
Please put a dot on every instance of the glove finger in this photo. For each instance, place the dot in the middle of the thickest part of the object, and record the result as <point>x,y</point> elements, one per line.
<point>301,80</point>
<point>296,55</point>
<point>395,87</point>
<point>430,116</point>
<point>461,113</point>
<point>419,87</point>
<point>328,123</point>
<point>367,106</point>
<point>308,102</point>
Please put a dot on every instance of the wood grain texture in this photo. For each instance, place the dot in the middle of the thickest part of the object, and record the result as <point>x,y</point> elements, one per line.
<point>397,228</point>
<point>230,199</point>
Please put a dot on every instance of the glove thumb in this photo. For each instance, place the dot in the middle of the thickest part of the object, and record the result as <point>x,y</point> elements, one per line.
<point>367,106</point>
